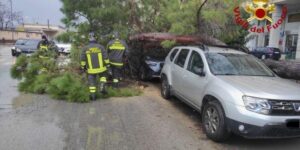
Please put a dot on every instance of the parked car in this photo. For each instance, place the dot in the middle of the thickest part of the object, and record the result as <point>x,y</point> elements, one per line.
<point>64,48</point>
<point>17,47</point>
<point>27,47</point>
<point>234,92</point>
<point>267,53</point>
<point>151,67</point>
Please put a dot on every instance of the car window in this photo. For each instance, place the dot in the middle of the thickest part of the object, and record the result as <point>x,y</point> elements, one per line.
<point>32,42</point>
<point>181,58</point>
<point>20,42</point>
<point>195,63</point>
<point>173,54</point>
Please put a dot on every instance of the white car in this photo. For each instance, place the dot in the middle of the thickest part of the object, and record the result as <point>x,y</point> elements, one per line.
<point>234,92</point>
<point>64,48</point>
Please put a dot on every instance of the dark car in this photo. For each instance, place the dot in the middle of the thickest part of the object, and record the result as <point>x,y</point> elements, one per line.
<point>17,47</point>
<point>267,53</point>
<point>28,48</point>
<point>151,67</point>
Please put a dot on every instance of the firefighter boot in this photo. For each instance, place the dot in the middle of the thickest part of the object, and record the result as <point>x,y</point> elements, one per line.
<point>103,89</point>
<point>115,83</point>
<point>93,96</point>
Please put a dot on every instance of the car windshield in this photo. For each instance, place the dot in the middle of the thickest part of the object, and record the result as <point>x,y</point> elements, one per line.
<point>32,42</point>
<point>236,64</point>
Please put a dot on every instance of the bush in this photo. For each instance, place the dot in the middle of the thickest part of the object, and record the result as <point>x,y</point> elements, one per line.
<point>69,87</point>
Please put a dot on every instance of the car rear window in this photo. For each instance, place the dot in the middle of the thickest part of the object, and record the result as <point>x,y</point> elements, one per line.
<point>181,58</point>
<point>173,54</point>
<point>20,42</point>
<point>32,42</point>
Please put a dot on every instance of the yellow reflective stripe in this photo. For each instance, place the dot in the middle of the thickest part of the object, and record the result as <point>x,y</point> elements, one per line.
<point>82,63</point>
<point>96,71</point>
<point>93,91</point>
<point>116,64</point>
<point>103,79</point>
<point>115,81</point>
<point>44,47</point>
<point>89,59</point>
<point>106,61</point>
<point>93,88</point>
<point>100,60</point>
<point>115,47</point>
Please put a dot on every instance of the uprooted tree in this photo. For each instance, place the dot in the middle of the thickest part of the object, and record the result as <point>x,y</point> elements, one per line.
<point>212,18</point>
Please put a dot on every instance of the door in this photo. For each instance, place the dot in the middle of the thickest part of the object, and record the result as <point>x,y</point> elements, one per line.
<point>195,80</point>
<point>178,70</point>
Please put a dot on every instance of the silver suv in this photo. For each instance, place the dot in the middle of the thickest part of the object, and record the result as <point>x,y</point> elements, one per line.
<point>233,91</point>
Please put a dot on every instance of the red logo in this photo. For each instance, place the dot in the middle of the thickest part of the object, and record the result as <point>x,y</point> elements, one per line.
<point>259,10</point>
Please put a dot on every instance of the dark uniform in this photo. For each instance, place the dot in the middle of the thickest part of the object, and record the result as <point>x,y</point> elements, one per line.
<point>94,59</point>
<point>116,49</point>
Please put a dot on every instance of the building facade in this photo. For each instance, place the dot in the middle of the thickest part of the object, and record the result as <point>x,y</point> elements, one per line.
<point>286,36</point>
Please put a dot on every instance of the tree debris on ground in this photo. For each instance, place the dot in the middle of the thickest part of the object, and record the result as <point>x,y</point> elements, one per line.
<point>60,80</point>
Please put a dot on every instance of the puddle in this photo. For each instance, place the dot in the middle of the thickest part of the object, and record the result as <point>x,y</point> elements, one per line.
<point>22,100</point>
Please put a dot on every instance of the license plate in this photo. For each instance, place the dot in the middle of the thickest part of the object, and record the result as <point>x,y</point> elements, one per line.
<point>276,52</point>
<point>28,55</point>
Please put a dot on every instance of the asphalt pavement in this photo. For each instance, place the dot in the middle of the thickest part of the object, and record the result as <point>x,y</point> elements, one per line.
<point>147,122</point>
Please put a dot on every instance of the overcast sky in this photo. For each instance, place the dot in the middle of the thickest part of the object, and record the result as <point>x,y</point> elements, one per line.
<point>39,10</point>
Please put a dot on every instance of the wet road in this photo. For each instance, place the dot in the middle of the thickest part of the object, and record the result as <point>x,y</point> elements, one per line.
<point>148,122</point>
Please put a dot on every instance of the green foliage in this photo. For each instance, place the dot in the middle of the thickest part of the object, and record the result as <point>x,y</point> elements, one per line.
<point>168,44</point>
<point>136,16</point>
<point>70,87</point>
<point>16,70</point>
<point>122,92</point>
<point>42,76</point>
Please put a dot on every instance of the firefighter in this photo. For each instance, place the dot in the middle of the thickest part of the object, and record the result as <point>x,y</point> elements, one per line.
<point>94,60</point>
<point>116,49</point>
<point>43,53</point>
<point>43,45</point>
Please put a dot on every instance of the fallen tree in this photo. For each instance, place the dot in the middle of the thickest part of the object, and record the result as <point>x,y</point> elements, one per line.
<point>285,69</point>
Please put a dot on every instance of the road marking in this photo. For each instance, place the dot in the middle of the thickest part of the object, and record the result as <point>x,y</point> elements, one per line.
<point>92,111</point>
<point>94,138</point>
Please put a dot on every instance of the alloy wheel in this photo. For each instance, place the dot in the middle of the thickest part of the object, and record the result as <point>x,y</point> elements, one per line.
<point>212,120</point>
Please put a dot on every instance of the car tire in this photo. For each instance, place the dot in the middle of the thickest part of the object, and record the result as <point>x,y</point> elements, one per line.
<point>165,88</point>
<point>214,122</point>
<point>13,53</point>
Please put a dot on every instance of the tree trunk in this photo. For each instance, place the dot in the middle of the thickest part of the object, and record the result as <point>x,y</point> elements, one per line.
<point>285,69</point>
<point>199,15</point>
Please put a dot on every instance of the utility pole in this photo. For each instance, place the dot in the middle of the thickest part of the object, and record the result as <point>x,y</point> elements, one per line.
<point>11,19</point>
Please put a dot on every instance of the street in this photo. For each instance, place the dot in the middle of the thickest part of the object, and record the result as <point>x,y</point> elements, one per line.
<point>147,122</point>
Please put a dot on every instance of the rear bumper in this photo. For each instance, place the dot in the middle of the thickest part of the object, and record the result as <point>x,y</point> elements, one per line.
<point>266,132</point>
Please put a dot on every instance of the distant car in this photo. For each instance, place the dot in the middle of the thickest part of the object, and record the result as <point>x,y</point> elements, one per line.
<point>267,53</point>
<point>17,47</point>
<point>151,68</point>
<point>30,47</point>
<point>26,47</point>
<point>64,48</point>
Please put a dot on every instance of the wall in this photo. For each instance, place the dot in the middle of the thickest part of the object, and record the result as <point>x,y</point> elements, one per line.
<point>11,36</point>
